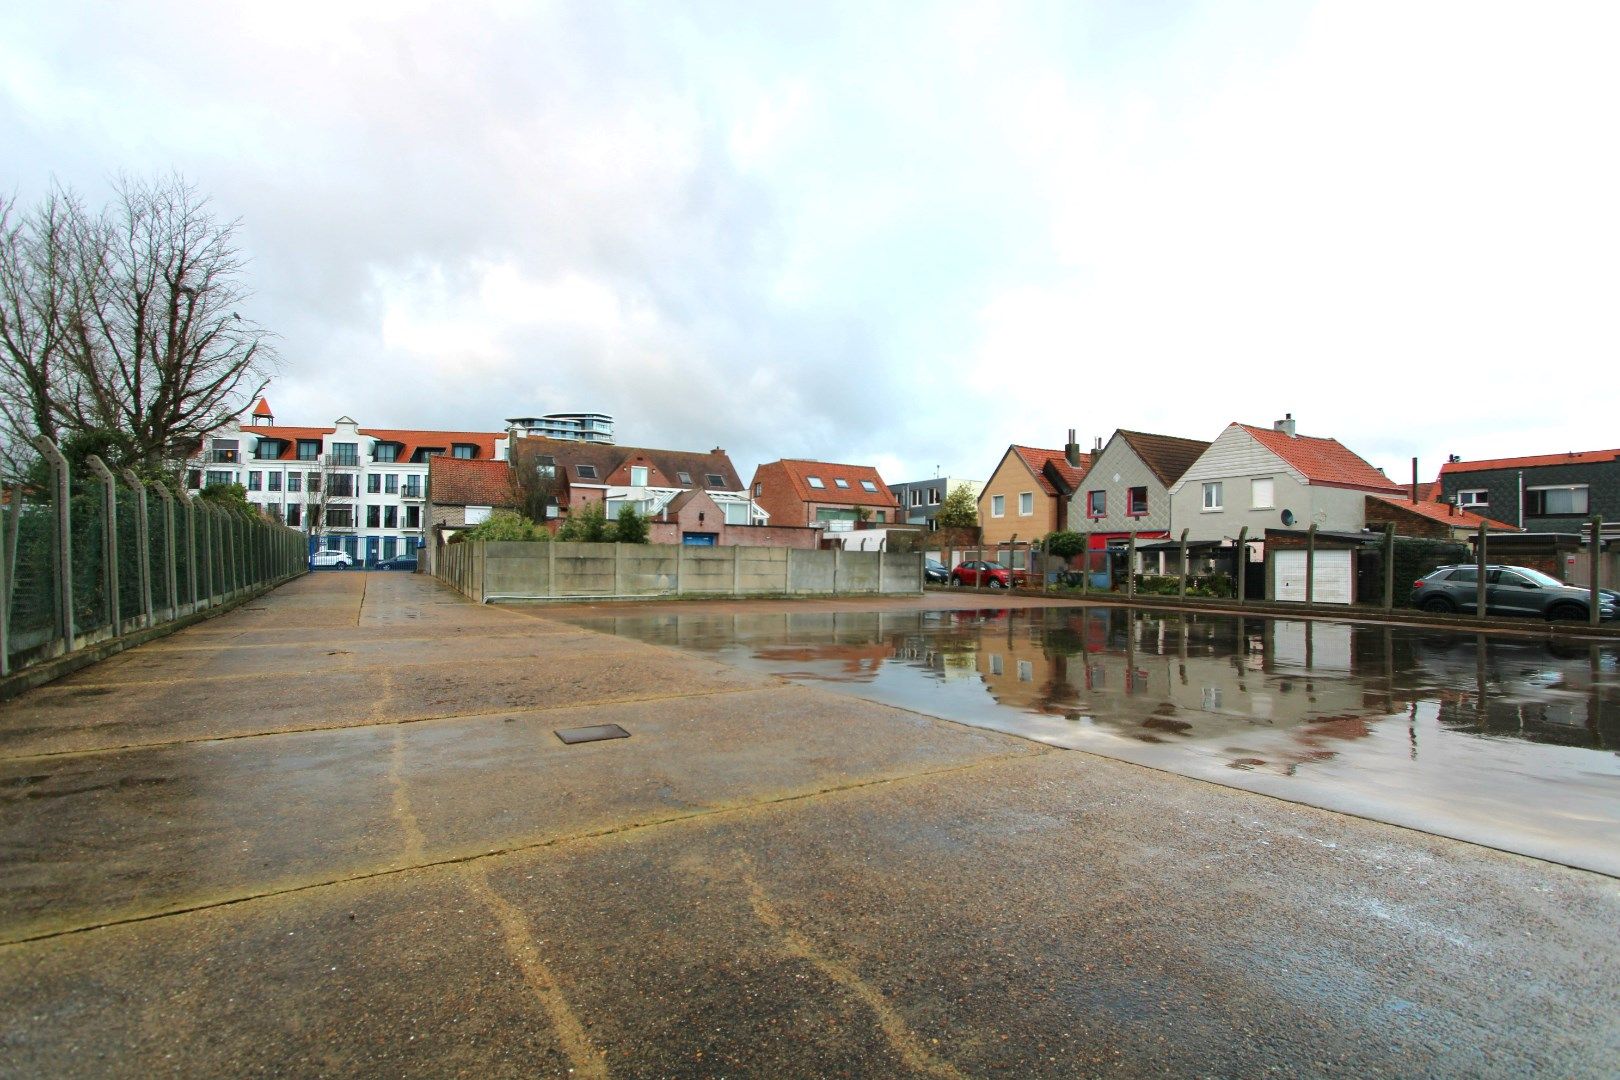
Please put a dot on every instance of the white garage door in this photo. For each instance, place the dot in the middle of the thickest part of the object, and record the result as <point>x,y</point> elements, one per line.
<point>1333,576</point>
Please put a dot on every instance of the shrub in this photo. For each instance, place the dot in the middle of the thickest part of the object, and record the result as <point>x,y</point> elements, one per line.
<point>505,525</point>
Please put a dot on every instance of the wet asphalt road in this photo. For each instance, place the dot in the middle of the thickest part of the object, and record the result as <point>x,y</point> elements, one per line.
<point>333,834</point>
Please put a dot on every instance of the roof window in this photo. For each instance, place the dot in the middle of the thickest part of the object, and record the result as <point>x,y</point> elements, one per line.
<point>585,472</point>
<point>814,481</point>
<point>867,485</point>
<point>716,480</point>
<point>840,482</point>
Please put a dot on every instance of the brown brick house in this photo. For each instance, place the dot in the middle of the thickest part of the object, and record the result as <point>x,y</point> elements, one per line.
<point>814,493</point>
<point>1028,494</point>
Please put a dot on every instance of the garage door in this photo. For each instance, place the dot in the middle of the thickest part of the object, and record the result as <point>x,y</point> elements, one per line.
<point>1333,576</point>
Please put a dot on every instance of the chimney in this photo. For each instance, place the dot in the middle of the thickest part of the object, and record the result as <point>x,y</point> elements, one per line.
<point>717,450</point>
<point>1071,451</point>
<point>1414,482</point>
<point>1098,448</point>
<point>1285,425</point>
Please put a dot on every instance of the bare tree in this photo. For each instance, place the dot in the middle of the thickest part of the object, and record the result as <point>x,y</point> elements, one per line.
<point>132,321</point>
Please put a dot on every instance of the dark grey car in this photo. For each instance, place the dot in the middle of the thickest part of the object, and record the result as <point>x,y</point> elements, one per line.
<point>1509,590</point>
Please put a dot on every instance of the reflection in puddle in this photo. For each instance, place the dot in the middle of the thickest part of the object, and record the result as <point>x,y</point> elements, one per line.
<point>1512,743</point>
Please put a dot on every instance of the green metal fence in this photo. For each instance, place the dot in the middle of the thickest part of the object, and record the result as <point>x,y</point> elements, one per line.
<point>96,556</point>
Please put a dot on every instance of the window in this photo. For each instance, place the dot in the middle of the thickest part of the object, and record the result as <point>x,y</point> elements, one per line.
<point>1476,497</point>
<point>346,454</point>
<point>413,487</point>
<point>867,485</point>
<point>225,452</point>
<point>373,483</point>
<point>275,481</point>
<point>1555,501</point>
<point>389,545</point>
<point>1096,504</point>
<point>309,449</point>
<point>193,479</point>
<point>545,466</point>
<point>1026,671</point>
<point>1137,501</point>
<point>295,481</point>
<point>1213,496</point>
<point>314,482</point>
<point>995,664</point>
<point>390,517</point>
<point>883,515</point>
<point>638,476</point>
<point>684,477</point>
<point>255,480</point>
<point>998,506</point>
<point>295,513</point>
<point>839,481</point>
<point>1026,503</point>
<point>933,496</point>
<point>385,451</point>
<point>340,517</point>
<point>759,489</point>
<point>714,478</point>
<point>585,472</point>
<point>391,483</point>
<point>1466,575</point>
<point>464,451</point>
<point>342,486</point>
<point>1262,493</point>
<point>413,517</point>
<point>220,476</point>
<point>814,481</point>
<point>373,517</point>
<point>268,449</point>
<point>736,513</point>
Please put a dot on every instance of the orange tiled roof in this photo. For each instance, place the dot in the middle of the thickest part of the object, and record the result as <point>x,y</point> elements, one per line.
<point>469,482</point>
<point>1036,459</point>
<point>409,441</point>
<point>1446,513</point>
<point>1574,457</point>
<point>1322,461</point>
<point>829,472</point>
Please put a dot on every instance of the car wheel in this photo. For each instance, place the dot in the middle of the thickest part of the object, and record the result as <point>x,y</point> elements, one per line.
<point>1566,613</point>
<point>995,583</point>
<point>1439,605</point>
<point>956,583</point>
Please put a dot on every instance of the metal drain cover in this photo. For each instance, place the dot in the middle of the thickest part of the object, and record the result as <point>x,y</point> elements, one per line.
<point>595,733</point>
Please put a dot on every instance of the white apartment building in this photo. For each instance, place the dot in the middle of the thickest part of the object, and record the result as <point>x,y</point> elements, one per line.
<point>359,490</point>
<point>591,427</point>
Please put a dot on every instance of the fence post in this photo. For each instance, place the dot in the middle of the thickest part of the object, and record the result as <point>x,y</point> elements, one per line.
<point>1085,563</point>
<point>62,545</point>
<point>680,565</point>
<point>1389,566</point>
<point>838,562</point>
<point>1310,564</point>
<point>1593,614</point>
<point>1181,587</point>
<point>170,582</point>
<point>109,543</point>
<point>1479,586</point>
<point>1130,566</point>
<point>1240,563</point>
<point>10,526</point>
<point>618,569</point>
<point>143,540</point>
<point>189,509</point>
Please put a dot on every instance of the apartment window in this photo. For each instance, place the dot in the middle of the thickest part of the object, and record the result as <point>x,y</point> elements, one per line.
<point>309,449</point>
<point>255,480</point>
<point>385,451</point>
<point>340,517</point>
<point>373,483</point>
<point>391,483</point>
<point>295,481</point>
<point>933,496</point>
<point>1213,496</point>
<point>314,482</point>
<point>373,517</point>
<point>759,489</point>
<point>867,485</point>
<point>998,506</point>
<point>684,477</point>
<point>1555,501</point>
<point>1476,497</point>
<point>225,452</point>
<point>413,517</point>
<point>1262,493</point>
<point>1026,503</point>
<point>342,486</point>
<point>193,479</point>
<point>346,454</point>
<point>464,451</point>
<point>1096,504</point>
<point>220,476</point>
<point>275,481</point>
<point>295,513</point>
<point>839,481</point>
<point>390,517</point>
<point>585,472</point>
<point>413,487</point>
<point>268,449</point>
<point>1137,501</point>
<point>389,546</point>
<point>638,476</point>
<point>814,481</point>
<point>715,480</point>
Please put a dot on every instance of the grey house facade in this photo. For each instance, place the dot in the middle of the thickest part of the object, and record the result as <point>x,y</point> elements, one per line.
<point>920,500</point>
<point>1542,493</point>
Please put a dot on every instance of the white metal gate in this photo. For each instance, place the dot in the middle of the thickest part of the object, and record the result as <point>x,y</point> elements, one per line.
<point>1334,575</point>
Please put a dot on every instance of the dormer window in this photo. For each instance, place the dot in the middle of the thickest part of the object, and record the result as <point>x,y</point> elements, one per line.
<point>464,451</point>
<point>815,482</point>
<point>385,451</point>
<point>546,465</point>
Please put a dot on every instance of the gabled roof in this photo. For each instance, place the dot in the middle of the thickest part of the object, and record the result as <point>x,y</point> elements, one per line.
<point>1322,461</point>
<point>1165,455</point>
<point>1445,513</point>
<point>608,458</point>
<point>1573,457</point>
<point>470,482</point>
<point>1037,459</point>
<point>829,473</point>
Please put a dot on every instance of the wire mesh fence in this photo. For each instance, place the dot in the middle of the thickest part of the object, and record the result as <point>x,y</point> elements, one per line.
<point>91,556</point>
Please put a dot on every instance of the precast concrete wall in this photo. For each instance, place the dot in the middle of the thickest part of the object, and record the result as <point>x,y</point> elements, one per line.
<point>511,570</point>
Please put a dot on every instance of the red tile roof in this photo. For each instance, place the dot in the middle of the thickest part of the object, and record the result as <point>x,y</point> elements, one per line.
<point>1036,459</point>
<point>469,482</point>
<point>1445,513</point>
<point>1322,461</point>
<point>409,441</point>
<point>1573,457</point>
<point>798,471</point>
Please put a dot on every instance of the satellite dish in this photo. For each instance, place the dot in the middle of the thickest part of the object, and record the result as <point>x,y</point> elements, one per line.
<point>1287,517</point>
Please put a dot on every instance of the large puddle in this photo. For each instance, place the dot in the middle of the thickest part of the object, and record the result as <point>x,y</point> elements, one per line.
<point>1510,743</point>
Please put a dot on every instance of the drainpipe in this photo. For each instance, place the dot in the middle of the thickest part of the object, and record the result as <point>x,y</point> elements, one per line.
<point>1521,498</point>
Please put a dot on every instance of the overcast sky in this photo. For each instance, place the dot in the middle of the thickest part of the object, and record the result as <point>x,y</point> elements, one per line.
<point>904,234</point>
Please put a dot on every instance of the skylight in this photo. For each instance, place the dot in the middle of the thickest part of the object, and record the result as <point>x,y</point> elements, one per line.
<point>840,481</point>
<point>814,481</point>
<point>867,485</point>
<point>716,480</point>
<point>586,472</point>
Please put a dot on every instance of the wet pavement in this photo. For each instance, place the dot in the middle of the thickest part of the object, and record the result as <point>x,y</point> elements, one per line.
<point>334,833</point>
<point>1509,742</point>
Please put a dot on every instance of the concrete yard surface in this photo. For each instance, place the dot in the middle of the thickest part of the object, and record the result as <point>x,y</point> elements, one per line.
<point>333,833</point>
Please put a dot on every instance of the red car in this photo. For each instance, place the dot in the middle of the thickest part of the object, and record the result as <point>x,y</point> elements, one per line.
<point>992,574</point>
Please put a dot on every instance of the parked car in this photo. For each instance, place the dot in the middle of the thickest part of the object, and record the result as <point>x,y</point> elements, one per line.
<point>992,574</point>
<point>1509,590</point>
<point>934,572</point>
<point>398,562</point>
<point>330,557</point>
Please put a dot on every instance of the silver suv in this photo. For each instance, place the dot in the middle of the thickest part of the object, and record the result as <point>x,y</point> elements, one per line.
<point>330,557</point>
<point>1509,590</point>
